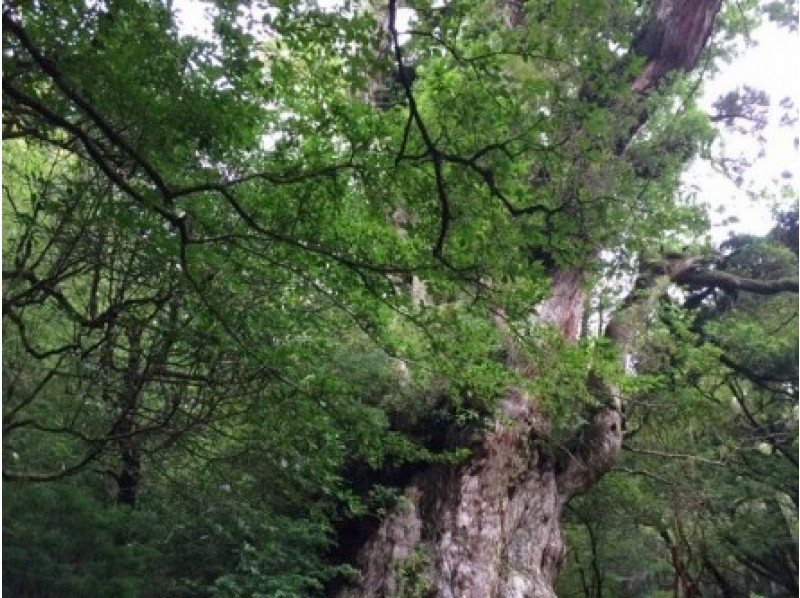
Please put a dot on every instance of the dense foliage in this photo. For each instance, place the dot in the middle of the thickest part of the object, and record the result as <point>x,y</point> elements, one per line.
<point>704,501</point>
<point>246,279</point>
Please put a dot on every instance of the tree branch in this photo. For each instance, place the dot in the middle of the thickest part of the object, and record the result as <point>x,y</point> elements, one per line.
<point>697,278</point>
<point>664,455</point>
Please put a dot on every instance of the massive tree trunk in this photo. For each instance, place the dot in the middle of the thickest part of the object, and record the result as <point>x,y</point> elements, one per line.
<point>488,528</point>
<point>491,527</point>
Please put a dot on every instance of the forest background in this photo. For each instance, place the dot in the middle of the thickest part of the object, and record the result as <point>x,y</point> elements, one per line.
<point>272,294</point>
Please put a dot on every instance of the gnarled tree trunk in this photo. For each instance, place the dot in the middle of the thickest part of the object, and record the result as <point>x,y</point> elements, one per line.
<point>491,527</point>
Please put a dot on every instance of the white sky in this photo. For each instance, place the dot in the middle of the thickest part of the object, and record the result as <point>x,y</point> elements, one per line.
<point>772,65</point>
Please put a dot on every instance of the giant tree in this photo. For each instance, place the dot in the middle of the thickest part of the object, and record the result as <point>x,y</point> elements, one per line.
<point>598,178</point>
<point>306,176</point>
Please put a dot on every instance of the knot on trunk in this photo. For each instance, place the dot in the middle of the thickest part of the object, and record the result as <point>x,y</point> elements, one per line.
<point>596,448</point>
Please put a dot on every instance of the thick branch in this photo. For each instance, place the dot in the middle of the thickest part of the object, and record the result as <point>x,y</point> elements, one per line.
<point>697,278</point>
<point>598,447</point>
<point>674,38</point>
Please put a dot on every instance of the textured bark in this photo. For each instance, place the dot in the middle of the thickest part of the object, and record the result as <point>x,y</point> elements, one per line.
<point>674,38</point>
<point>491,527</point>
<point>693,272</point>
<point>564,308</point>
<point>598,447</point>
<point>131,468</point>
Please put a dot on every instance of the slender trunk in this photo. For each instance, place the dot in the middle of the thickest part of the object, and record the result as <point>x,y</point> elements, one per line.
<point>130,474</point>
<point>130,470</point>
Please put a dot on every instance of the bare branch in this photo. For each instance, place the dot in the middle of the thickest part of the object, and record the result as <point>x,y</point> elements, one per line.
<point>665,455</point>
